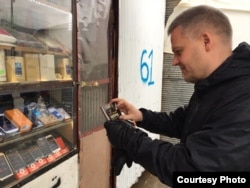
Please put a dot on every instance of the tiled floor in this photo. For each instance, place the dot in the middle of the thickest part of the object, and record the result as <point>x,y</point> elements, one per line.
<point>147,180</point>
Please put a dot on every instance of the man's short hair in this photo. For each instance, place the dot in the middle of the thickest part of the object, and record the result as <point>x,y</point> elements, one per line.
<point>194,20</point>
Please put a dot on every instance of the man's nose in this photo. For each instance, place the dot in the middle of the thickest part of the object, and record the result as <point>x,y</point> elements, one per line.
<point>175,61</point>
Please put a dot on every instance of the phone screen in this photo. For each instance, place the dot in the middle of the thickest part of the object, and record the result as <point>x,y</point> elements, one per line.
<point>26,155</point>
<point>5,169</point>
<point>35,151</point>
<point>52,143</point>
<point>15,160</point>
<point>111,111</point>
<point>8,127</point>
<point>44,146</point>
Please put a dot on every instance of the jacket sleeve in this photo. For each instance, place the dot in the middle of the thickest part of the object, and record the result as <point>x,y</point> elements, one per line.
<point>162,123</point>
<point>221,144</point>
<point>206,150</point>
<point>159,157</point>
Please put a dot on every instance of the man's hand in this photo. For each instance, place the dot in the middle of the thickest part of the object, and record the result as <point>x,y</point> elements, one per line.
<point>119,133</point>
<point>129,111</point>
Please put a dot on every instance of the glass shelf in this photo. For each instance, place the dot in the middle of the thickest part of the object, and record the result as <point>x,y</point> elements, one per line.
<point>36,64</point>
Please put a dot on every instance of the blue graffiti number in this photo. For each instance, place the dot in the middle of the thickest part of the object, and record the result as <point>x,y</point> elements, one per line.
<point>146,67</point>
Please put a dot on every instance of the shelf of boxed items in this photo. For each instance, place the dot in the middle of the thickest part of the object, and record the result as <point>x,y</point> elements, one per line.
<point>57,129</point>
<point>17,180</point>
<point>34,50</point>
<point>18,137</point>
<point>15,143</point>
<point>7,87</point>
<point>17,183</point>
<point>46,15</point>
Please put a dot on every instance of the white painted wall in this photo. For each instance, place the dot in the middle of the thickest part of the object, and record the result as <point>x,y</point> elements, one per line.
<point>140,62</point>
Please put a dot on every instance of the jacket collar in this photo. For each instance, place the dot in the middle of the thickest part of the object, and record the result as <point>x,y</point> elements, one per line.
<point>237,65</point>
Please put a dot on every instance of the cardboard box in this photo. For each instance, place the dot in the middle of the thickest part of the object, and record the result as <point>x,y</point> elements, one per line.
<point>16,117</point>
<point>47,67</point>
<point>48,120</point>
<point>3,76</point>
<point>32,67</point>
<point>64,68</point>
<point>15,69</point>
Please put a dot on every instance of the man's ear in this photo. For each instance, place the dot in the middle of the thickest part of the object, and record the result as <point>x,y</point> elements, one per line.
<point>206,38</point>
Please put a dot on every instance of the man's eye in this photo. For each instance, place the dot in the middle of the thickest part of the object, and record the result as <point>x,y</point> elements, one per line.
<point>178,52</point>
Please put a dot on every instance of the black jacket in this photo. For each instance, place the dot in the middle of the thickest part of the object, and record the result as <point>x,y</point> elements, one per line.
<point>214,128</point>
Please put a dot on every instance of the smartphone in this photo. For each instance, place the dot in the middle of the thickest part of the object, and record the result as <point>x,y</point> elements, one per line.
<point>43,144</point>
<point>35,151</point>
<point>110,111</point>
<point>52,143</point>
<point>9,128</point>
<point>5,169</point>
<point>24,152</point>
<point>15,160</point>
<point>6,126</point>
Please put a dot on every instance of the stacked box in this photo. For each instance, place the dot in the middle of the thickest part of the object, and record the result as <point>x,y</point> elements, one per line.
<point>15,69</point>
<point>47,67</point>
<point>32,67</point>
<point>3,76</point>
<point>64,68</point>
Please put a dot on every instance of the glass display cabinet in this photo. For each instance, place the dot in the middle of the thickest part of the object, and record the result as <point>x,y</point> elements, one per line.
<point>37,90</point>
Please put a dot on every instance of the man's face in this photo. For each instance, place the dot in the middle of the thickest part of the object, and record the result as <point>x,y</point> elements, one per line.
<point>189,55</point>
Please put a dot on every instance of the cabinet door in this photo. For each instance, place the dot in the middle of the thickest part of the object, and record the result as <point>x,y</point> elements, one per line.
<point>37,89</point>
<point>95,62</point>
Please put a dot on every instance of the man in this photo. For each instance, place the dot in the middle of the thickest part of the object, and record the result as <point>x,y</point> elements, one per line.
<point>214,128</point>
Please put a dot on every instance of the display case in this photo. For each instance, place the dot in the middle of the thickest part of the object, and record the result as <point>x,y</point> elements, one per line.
<point>37,90</point>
